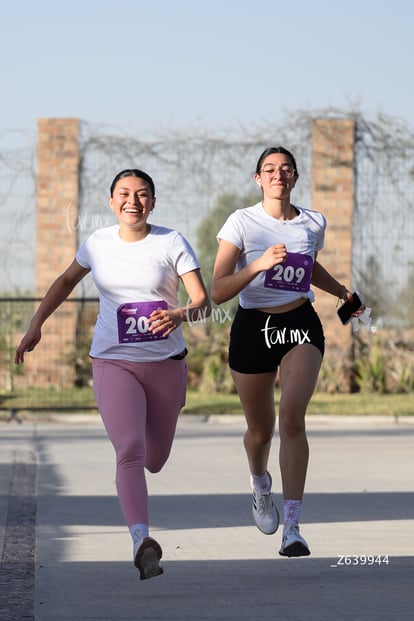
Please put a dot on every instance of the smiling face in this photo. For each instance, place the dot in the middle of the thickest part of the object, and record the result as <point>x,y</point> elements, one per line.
<point>277,176</point>
<point>132,201</point>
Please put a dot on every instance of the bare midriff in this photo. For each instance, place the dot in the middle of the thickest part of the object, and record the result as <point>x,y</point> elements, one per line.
<point>284,308</point>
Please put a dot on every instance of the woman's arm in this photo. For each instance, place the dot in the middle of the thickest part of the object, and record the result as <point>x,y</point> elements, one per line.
<point>200,305</point>
<point>198,308</point>
<point>322,279</point>
<point>58,292</point>
<point>226,283</point>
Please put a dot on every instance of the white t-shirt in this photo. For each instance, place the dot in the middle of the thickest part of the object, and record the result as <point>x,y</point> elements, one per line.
<point>253,230</point>
<point>128,276</point>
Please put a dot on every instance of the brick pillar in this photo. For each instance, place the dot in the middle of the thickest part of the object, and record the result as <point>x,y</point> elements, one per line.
<point>57,198</point>
<point>56,242</point>
<point>333,142</point>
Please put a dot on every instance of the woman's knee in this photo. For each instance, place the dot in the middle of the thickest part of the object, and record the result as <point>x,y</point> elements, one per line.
<point>155,465</point>
<point>260,435</point>
<point>291,424</point>
<point>130,452</point>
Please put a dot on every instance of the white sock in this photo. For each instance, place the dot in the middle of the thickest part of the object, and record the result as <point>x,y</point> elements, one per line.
<point>138,533</point>
<point>291,512</point>
<point>261,482</point>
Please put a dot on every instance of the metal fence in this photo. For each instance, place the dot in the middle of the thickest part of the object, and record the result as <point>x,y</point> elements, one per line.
<point>191,174</point>
<point>18,214</point>
<point>57,375</point>
<point>383,222</point>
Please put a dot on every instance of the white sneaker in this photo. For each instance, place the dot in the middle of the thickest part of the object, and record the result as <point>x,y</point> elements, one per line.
<point>265,514</point>
<point>293,544</point>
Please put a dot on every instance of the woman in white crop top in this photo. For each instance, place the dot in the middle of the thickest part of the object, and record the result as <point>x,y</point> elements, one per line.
<point>138,351</point>
<point>267,255</point>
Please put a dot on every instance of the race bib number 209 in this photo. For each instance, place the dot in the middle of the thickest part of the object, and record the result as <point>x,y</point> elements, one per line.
<point>133,323</point>
<point>292,275</point>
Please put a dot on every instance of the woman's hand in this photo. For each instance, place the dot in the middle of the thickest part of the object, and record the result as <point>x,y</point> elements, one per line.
<point>350,297</point>
<point>28,343</point>
<point>165,321</point>
<point>272,256</point>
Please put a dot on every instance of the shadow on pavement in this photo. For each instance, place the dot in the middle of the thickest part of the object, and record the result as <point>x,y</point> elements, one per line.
<point>293,589</point>
<point>226,510</point>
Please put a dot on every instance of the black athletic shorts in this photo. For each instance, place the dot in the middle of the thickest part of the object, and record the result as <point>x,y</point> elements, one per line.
<point>258,340</point>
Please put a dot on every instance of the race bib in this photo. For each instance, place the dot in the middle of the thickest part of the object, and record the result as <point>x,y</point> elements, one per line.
<point>133,321</point>
<point>292,275</point>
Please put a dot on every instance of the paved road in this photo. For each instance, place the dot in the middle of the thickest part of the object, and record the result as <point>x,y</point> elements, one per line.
<point>66,554</point>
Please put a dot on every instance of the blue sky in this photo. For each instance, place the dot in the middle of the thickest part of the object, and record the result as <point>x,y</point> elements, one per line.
<point>183,64</point>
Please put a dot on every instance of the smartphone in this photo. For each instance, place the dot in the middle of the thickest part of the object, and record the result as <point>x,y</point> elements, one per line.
<point>347,309</point>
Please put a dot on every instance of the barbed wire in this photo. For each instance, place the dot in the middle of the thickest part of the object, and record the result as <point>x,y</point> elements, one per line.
<point>193,167</point>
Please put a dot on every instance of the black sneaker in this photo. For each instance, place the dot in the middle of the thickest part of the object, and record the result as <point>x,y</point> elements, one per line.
<point>147,559</point>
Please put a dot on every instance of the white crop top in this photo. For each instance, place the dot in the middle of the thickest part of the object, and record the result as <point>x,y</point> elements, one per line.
<point>253,230</point>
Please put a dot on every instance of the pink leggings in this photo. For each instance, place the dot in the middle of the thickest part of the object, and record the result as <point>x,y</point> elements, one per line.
<point>139,403</point>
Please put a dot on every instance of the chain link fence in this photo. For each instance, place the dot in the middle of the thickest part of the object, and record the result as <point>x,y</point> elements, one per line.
<point>18,210</point>
<point>383,221</point>
<point>191,173</point>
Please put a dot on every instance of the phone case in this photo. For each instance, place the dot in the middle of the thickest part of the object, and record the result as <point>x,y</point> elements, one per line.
<point>347,309</point>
